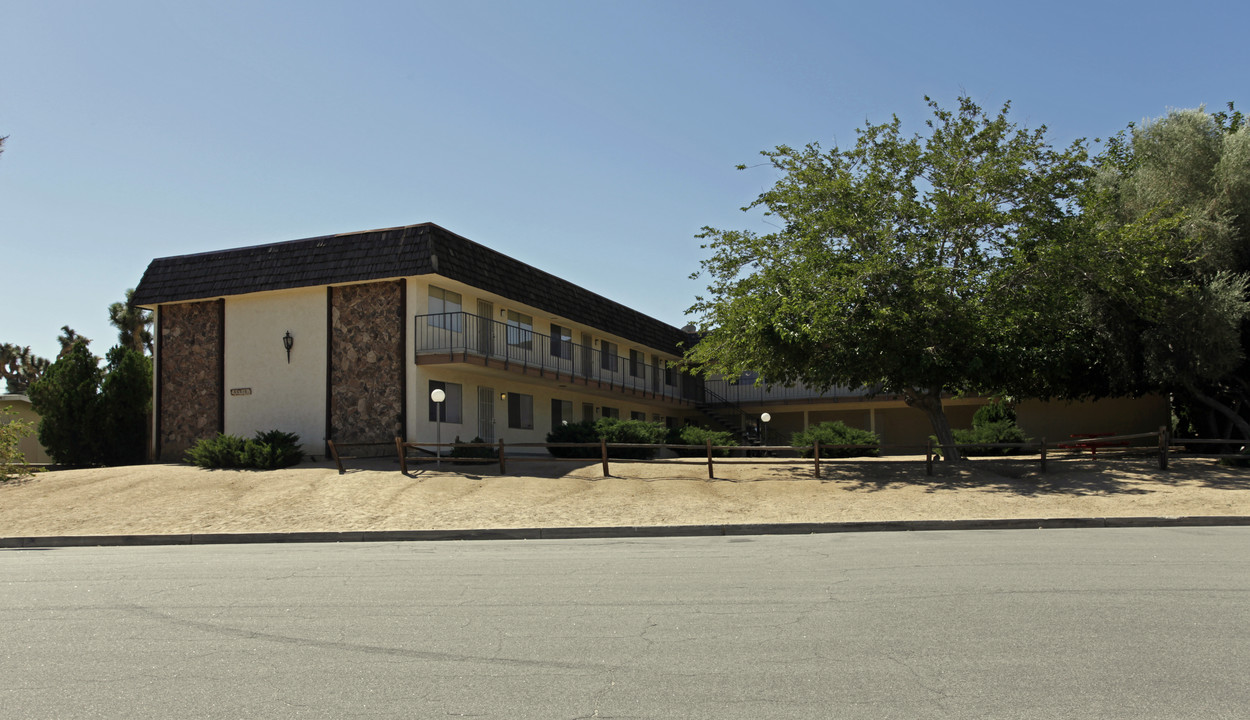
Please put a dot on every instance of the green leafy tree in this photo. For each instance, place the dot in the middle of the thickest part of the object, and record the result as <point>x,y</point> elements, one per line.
<point>12,460</point>
<point>125,406</point>
<point>66,400</point>
<point>132,324</point>
<point>900,264</point>
<point>1170,310</point>
<point>94,416</point>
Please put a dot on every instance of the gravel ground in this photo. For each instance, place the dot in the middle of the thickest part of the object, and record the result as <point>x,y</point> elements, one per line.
<point>375,495</point>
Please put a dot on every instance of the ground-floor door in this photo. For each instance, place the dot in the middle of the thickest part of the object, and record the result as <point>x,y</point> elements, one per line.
<point>486,413</point>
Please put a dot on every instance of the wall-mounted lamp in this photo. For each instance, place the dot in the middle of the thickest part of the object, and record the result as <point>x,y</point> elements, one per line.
<point>503,396</point>
<point>288,342</point>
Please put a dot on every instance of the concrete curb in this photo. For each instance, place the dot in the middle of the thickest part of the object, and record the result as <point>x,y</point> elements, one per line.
<point>642,531</point>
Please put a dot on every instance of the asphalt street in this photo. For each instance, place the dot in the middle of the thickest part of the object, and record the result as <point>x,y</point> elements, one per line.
<point>1105,623</point>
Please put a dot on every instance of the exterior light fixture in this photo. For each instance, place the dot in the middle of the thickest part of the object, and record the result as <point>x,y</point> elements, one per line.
<point>288,342</point>
<point>438,396</point>
<point>503,396</point>
<point>765,418</point>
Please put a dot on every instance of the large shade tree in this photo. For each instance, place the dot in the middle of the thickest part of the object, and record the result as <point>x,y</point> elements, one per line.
<point>1177,190</point>
<point>899,264</point>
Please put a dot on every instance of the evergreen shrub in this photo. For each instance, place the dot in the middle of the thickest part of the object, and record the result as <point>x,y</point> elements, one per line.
<point>461,451</point>
<point>837,433</point>
<point>613,430</point>
<point>269,450</point>
<point>696,435</point>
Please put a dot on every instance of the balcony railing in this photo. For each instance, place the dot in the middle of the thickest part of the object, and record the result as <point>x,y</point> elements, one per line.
<point>746,391</point>
<point>462,336</point>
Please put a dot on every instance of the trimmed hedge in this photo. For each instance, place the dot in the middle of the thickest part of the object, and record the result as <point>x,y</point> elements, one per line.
<point>837,433</point>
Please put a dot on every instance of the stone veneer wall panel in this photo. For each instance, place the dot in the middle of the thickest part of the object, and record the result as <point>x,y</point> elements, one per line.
<point>366,354</point>
<point>191,391</point>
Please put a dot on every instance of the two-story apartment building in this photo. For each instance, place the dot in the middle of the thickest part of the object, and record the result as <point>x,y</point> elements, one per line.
<point>345,337</point>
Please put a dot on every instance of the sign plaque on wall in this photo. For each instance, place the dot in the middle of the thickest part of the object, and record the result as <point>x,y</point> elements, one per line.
<point>240,391</point>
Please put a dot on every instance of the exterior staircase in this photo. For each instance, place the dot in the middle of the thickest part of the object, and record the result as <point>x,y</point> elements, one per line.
<point>725,415</point>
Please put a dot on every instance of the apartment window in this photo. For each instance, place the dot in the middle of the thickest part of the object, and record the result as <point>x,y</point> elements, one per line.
<point>561,342</point>
<point>443,302</point>
<point>642,416</point>
<point>610,412</point>
<point>561,412</point>
<point>450,406</point>
<point>520,330</point>
<point>607,355</point>
<point>588,412</point>
<point>636,363</point>
<point>520,411</point>
<point>670,373</point>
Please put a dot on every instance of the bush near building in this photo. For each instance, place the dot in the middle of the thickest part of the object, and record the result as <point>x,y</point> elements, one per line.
<point>613,430</point>
<point>269,450</point>
<point>837,433</point>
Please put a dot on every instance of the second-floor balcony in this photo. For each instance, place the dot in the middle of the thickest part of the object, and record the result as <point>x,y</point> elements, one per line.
<point>465,337</point>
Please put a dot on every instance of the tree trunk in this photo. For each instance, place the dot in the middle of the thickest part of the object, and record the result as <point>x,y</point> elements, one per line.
<point>930,401</point>
<point>1222,409</point>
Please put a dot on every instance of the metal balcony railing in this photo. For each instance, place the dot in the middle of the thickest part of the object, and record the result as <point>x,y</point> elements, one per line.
<point>737,392</point>
<point>465,336</point>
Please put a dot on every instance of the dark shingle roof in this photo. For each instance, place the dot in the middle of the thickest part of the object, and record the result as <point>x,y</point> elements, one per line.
<point>393,252</point>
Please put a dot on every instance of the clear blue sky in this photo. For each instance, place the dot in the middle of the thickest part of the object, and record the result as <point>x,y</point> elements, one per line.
<point>590,139</point>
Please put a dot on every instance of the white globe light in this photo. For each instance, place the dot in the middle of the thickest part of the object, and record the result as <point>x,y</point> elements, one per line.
<point>766,417</point>
<point>438,395</point>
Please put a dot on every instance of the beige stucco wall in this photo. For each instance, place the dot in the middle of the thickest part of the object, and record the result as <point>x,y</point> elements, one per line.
<point>1057,420</point>
<point>471,377</point>
<point>284,396</point>
<point>543,392</point>
<point>29,446</point>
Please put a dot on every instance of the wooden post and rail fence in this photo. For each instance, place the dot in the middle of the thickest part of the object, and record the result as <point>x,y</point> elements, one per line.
<point>816,454</point>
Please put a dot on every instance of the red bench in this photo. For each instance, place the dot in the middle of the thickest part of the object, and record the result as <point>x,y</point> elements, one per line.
<point>1089,441</point>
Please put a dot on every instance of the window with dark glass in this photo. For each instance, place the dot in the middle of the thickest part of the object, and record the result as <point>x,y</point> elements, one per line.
<point>520,411</point>
<point>449,408</point>
<point>561,413</point>
<point>561,342</point>
<point>520,330</point>
<point>607,355</point>
<point>442,303</point>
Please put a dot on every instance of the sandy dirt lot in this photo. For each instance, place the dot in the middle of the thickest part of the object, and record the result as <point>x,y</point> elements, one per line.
<point>375,495</point>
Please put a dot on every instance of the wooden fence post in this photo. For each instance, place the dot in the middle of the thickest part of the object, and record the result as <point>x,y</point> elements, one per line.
<point>711,475</point>
<point>1164,442</point>
<point>399,448</point>
<point>928,458</point>
<point>603,451</point>
<point>1043,451</point>
<point>503,468</point>
<point>816,455</point>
